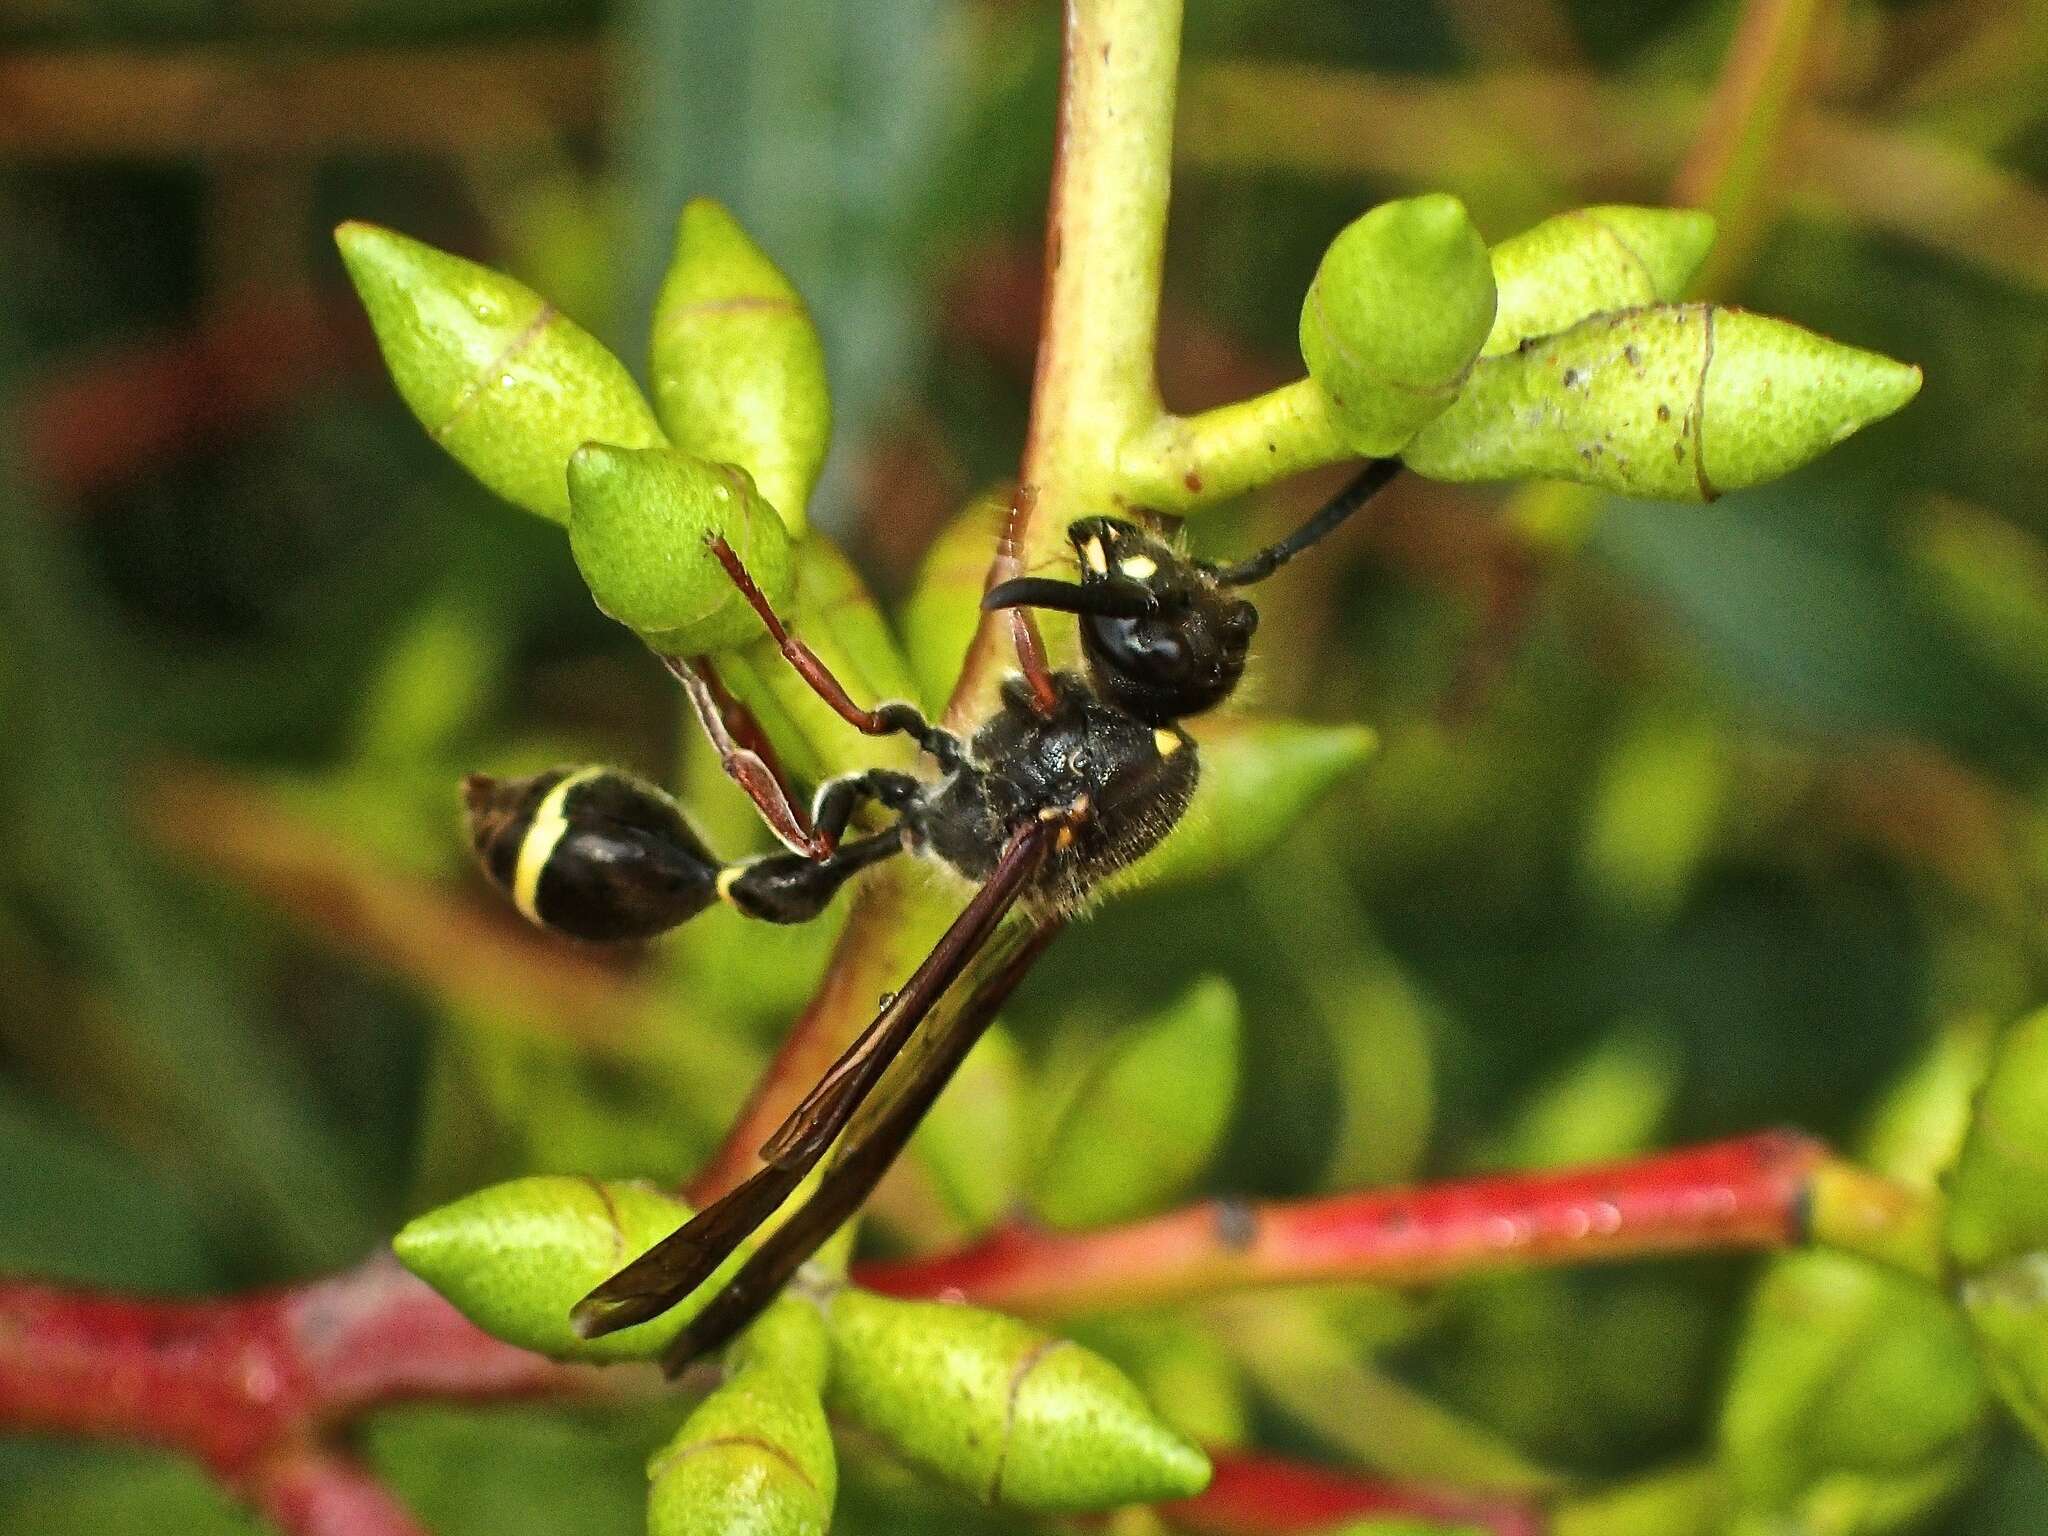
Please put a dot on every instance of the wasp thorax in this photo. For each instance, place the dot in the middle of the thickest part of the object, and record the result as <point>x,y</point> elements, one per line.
<point>1178,647</point>
<point>590,852</point>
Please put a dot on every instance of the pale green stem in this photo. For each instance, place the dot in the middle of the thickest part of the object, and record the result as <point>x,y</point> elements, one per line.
<point>1183,462</point>
<point>1730,168</point>
<point>1302,1360</point>
<point>1853,1210</point>
<point>1685,1501</point>
<point>1105,246</point>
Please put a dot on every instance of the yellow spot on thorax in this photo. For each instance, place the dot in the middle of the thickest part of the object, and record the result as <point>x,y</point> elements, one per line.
<point>541,840</point>
<point>1166,741</point>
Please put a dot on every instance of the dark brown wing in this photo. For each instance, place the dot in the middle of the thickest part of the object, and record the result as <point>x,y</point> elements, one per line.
<point>875,1144</point>
<point>687,1257</point>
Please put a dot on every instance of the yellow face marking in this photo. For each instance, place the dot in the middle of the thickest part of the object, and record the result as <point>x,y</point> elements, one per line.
<point>726,877</point>
<point>1066,837</point>
<point>538,846</point>
<point>1139,567</point>
<point>1098,562</point>
<point>1167,742</point>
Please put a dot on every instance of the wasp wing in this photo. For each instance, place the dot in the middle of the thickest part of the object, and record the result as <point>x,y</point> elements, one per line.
<point>688,1256</point>
<point>877,1137</point>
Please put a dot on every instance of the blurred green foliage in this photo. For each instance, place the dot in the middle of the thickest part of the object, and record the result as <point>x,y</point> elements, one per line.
<point>1684,820</point>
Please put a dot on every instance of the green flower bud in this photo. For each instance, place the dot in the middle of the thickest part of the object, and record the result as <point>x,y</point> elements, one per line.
<point>755,1457</point>
<point>1998,1193</point>
<point>514,1258</point>
<point>1998,1222</point>
<point>1675,402</point>
<point>1258,779</point>
<point>1917,1131</point>
<point>641,529</point>
<point>1854,1391</point>
<point>739,376</point>
<point>1147,1116</point>
<point>1399,308</point>
<point>2008,1308</point>
<point>501,380</point>
<point>1001,1411</point>
<point>1591,260</point>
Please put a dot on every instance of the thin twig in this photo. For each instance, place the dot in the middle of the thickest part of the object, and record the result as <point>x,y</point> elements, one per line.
<point>1744,1194</point>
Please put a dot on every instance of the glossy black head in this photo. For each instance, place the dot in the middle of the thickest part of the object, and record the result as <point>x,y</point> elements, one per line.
<point>1184,650</point>
<point>1164,637</point>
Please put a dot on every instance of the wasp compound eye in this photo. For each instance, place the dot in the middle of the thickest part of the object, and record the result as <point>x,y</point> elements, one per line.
<point>590,852</point>
<point>1179,662</point>
<point>1240,621</point>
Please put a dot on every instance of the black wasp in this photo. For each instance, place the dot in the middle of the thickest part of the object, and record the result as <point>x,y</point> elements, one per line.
<point>1070,780</point>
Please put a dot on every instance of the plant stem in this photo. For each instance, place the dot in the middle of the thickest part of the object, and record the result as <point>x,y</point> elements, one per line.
<point>1308,1366</point>
<point>307,1491</point>
<point>1729,169</point>
<point>1105,241</point>
<point>1180,462</point>
<point>230,1382</point>
<point>1749,1193</point>
<point>1684,1501</point>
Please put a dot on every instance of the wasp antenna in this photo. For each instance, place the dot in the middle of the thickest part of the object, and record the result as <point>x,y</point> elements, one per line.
<point>1363,487</point>
<point>1110,598</point>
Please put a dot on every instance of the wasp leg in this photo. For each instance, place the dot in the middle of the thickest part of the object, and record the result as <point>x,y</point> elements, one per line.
<point>790,888</point>
<point>892,719</point>
<point>746,767</point>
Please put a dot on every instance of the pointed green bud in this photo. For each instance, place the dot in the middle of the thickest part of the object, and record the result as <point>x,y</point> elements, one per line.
<point>1000,1411</point>
<point>2007,1305</point>
<point>1258,779</point>
<point>1146,1117</point>
<point>739,375</point>
<point>1916,1132</point>
<point>1853,1388</point>
<point>1591,260</point>
<point>755,1458</point>
<point>509,386</point>
<point>641,529</point>
<point>1674,402</point>
<point>1399,308</point>
<point>1998,1221</point>
<point>1998,1193</point>
<point>514,1258</point>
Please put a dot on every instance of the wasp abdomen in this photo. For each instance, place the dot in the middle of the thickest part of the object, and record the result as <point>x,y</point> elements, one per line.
<point>590,852</point>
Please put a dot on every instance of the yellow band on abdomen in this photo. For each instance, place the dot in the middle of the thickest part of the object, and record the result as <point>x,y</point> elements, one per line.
<point>538,846</point>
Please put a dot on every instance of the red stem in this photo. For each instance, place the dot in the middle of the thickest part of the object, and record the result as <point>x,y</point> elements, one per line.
<point>231,1381</point>
<point>310,1492</point>
<point>1252,1495</point>
<point>247,1384</point>
<point>1747,1193</point>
